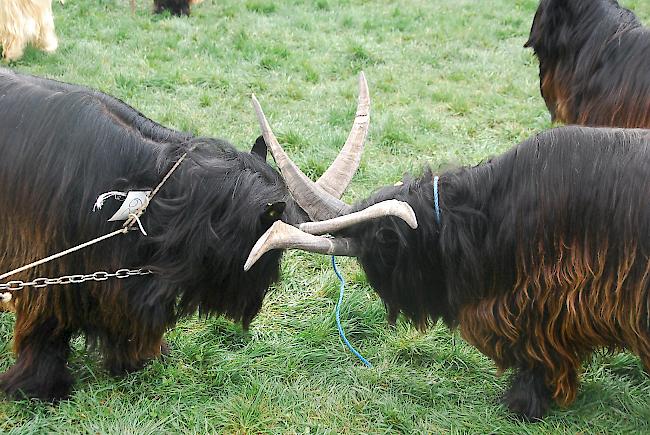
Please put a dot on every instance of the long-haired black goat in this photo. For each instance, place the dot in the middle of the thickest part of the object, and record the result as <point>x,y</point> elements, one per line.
<point>538,256</point>
<point>61,146</point>
<point>594,58</point>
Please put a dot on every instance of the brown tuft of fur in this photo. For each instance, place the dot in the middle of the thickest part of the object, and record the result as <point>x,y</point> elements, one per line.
<point>561,307</point>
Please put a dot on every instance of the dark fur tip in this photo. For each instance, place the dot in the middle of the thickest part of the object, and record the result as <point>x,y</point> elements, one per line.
<point>528,397</point>
<point>391,316</point>
<point>48,387</point>
<point>165,350</point>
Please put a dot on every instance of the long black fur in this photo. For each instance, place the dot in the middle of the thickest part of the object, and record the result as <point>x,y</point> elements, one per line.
<point>61,146</point>
<point>594,58</point>
<point>541,256</point>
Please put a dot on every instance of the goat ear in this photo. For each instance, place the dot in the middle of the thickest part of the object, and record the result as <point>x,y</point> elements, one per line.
<point>260,148</point>
<point>273,211</point>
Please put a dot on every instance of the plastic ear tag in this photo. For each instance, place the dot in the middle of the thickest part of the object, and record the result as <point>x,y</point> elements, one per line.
<point>135,199</point>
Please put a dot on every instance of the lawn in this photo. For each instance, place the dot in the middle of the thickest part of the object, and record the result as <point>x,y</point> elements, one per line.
<point>450,84</point>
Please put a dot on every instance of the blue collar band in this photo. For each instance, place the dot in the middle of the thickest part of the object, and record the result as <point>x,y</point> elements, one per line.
<point>435,197</point>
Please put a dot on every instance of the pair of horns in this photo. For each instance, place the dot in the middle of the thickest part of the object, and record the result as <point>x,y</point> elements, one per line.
<point>307,236</point>
<point>321,199</point>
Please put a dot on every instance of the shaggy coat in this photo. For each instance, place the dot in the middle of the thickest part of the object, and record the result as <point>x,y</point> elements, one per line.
<point>62,146</point>
<point>23,22</point>
<point>175,7</point>
<point>594,63</point>
<point>541,256</point>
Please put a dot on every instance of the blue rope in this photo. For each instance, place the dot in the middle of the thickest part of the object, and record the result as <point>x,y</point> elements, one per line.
<point>435,197</point>
<point>338,315</point>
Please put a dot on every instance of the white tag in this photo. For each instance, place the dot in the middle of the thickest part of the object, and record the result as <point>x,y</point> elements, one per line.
<point>135,199</point>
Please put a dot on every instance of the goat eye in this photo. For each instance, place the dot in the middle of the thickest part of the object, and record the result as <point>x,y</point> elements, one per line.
<point>386,236</point>
<point>273,211</point>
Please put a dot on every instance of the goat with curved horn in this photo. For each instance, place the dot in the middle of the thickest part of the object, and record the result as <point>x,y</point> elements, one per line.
<point>525,288</point>
<point>321,199</point>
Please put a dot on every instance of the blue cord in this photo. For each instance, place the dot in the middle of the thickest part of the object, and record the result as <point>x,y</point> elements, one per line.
<point>435,197</point>
<point>338,315</point>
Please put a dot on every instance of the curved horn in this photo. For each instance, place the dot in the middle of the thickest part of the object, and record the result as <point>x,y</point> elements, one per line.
<point>391,207</point>
<point>285,236</point>
<point>338,176</point>
<point>318,204</point>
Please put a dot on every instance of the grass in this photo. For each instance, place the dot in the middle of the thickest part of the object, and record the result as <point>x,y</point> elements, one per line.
<point>450,83</point>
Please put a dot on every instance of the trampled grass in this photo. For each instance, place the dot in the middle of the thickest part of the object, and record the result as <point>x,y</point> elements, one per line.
<point>450,84</point>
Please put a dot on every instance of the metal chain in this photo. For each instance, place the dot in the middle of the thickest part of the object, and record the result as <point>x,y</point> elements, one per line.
<point>73,279</point>
<point>11,286</point>
<point>133,218</point>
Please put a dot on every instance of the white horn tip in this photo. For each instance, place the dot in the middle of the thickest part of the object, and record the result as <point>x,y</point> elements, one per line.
<point>406,212</point>
<point>412,221</point>
<point>249,263</point>
<point>363,83</point>
<point>260,247</point>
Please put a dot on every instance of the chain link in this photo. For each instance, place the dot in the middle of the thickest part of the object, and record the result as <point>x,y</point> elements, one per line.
<point>73,279</point>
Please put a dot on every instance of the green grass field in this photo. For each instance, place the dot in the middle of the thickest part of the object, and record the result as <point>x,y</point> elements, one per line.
<point>450,84</point>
